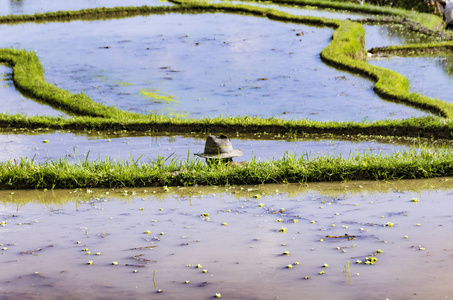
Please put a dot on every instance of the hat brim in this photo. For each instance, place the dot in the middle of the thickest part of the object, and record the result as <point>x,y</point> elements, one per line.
<point>234,153</point>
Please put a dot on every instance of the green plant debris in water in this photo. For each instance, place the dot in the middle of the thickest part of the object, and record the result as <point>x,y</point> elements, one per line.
<point>125,84</point>
<point>154,94</point>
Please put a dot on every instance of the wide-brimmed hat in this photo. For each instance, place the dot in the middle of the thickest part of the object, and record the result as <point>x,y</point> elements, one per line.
<point>219,147</point>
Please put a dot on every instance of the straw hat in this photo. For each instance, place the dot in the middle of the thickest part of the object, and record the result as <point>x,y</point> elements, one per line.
<point>219,147</point>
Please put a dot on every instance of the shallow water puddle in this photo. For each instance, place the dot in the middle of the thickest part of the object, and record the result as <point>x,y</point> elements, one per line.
<point>78,147</point>
<point>260,67</point>
<point>432,77</point>
<point>21,7</point>
<point>64,243</point>
<point>13,102</point>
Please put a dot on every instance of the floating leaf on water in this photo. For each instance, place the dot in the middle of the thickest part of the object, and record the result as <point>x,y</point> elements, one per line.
<point>154,95</point>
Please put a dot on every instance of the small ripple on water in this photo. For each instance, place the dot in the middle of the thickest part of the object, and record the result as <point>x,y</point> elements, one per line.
<point>233,237</point>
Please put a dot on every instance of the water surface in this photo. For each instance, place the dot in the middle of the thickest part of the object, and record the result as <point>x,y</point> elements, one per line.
<point>201,66</point>
<point>78,147</point>
<point>305,11</point>
<point>392,35</point>
<point>429,76</point>
<point>13,102</point>
<point>159,237</point>
<point>21,7</point>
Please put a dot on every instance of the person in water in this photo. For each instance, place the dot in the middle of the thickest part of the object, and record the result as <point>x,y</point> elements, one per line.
<point>218,149</point>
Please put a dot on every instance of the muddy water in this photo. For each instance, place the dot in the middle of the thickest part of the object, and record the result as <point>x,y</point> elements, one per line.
<point>159,238</point>
<point>13,102</point>
<point>165,65</point>
<point>78,147</point>
<point>430,76</point>
<point>20,7</point>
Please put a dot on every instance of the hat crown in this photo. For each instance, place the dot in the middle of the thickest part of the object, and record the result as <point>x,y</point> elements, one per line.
<point>218,145</point>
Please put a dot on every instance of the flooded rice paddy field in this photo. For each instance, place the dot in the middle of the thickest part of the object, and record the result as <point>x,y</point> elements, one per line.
<point>393,35</point>
<point>249,242</point>
<point>237,242</point>
<point>306,11</point>
<point>77,147</point>
<point>198,66</point>
<point>433,77</point>
<point>13,102</point>
<point>21,7</point>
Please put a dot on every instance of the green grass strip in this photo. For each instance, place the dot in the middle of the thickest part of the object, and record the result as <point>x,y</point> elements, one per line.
<point>414,49</point>
<point>346,51</point>
<point>91,14</point>
<point>109,173</point>
<point>28,77</point>
<point>430,21</point>
<point>425,127</point>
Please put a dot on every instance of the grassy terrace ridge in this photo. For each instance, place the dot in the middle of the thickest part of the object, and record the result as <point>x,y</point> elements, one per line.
<point>288,169</point>
<point>91,13</point>
<point>28,77</point>
<point>430,21</point>
<point>424,127</point>
<point>413,49</point>
<point>346,52</point>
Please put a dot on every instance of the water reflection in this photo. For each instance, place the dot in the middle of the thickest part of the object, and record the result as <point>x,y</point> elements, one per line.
<point>20,7</point>
<point>305,10</point>
<point>261,68</point>
<point>77,147</point>
<point>446,63</point>
<point>13,102</point>
<point>58,243</point>
<point>429,76</point>
<point>391,35</point>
